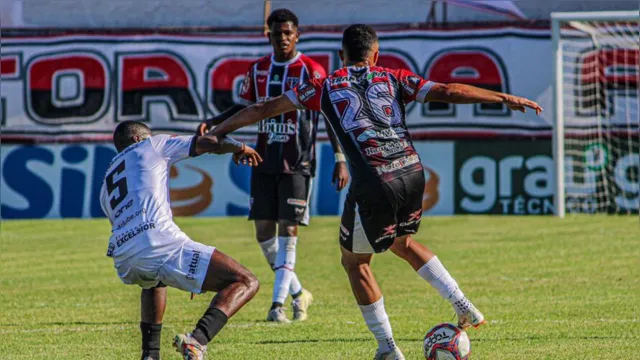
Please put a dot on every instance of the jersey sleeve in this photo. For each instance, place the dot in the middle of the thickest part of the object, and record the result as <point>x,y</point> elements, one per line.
<point>174,148</point>
<point>414,87</point>
<point>307,95</point>
<point>247,91</point>
<point>316,71</point>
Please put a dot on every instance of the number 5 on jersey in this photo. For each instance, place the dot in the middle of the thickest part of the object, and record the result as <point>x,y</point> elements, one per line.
<point>120,185</point>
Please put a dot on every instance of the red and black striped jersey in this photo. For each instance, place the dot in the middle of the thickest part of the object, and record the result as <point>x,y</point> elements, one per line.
<point>286,142</point>
<point>365,106</point>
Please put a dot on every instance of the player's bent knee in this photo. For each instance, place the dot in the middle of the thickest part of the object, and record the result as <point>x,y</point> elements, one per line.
<point>251,282</point>
<point>287,228</point>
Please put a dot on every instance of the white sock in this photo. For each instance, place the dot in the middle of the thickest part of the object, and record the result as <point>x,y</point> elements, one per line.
<point>378,323</point>
<point>285,263</point>
<point>270,251</point>
<point>436,275</point>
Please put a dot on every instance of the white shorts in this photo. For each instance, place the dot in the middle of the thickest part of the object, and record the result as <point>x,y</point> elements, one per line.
<point>183,266</point>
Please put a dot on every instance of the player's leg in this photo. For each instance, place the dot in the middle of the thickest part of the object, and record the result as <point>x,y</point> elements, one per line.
<point>293,191</point>
<point>423,260</point>
<point>199,268</point>
<point>360,227</point>
<point>153,302</point>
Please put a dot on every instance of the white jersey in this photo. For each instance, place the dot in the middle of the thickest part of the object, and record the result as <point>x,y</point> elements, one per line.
<point>135,195</point>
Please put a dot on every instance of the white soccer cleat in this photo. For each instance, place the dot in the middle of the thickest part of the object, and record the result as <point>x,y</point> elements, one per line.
<point>278,315</point>
<point>394,354</point>
<point>188,347</point>
<point>473,317</point>
<point>301,304</point>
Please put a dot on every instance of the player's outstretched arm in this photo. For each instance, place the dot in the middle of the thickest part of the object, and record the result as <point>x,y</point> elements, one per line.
<point>225,145</point>
<point>467,94</point>
<point>209,123</point>
<point>253,114</point>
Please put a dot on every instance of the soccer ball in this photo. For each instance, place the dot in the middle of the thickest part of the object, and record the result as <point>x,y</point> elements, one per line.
<point>446,342</point>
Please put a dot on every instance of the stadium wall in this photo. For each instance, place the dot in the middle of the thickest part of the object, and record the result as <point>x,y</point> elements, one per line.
<point>62,95</point>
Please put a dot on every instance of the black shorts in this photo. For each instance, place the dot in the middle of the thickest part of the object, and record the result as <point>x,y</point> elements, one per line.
<point>280,197</point>
<point>374,217</point>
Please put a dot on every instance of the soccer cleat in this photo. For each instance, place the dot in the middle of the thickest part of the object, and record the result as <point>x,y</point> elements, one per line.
<point>301,304</point>
<point>188,347</point>
<point>394,354</point>
<point>278,315</point>
<point>473,317</point>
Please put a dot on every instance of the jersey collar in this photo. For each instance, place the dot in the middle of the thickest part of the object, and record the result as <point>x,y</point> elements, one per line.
<point>290,61</point>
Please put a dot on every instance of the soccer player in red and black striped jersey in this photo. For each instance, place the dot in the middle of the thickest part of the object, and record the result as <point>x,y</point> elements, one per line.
<point>365,105</point>
<point>281,184</point>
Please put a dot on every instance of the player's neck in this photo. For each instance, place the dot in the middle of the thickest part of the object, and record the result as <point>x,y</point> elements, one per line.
<point>358,64</point>
<point>284,57</point>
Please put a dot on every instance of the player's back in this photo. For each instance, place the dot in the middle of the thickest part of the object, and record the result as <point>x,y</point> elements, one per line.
<point>135,193</point>
<point>366,107</point>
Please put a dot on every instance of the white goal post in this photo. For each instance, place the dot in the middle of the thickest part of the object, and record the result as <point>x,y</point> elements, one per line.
<point>596,137</point>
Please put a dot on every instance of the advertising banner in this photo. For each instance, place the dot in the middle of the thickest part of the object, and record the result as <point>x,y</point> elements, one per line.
<point>79,86</point>
<point>64,180</point>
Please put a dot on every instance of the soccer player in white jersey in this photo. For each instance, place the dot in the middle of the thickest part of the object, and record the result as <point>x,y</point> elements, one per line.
<point>150,250</point>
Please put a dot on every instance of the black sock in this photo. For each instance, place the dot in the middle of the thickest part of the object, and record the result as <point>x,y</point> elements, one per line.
<point>150,339</point>
<point>209,325</point>
<point>275,305</point>
<point>296,295</point>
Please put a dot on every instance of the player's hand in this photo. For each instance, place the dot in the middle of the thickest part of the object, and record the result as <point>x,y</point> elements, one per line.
<point>202,128</point>
<point>247,156</point>
<point>521,104</point>
<point>340,176</point>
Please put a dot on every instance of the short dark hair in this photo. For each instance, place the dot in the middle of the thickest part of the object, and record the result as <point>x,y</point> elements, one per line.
<point>281,16</point>
<point>357,41</point>
<point>126,130</point>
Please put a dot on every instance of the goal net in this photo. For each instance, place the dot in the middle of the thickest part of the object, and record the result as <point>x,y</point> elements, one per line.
<point>597,113</point>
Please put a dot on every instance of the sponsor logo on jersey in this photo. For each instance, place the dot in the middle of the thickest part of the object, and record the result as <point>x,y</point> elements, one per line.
<point>139,229</point>
<point>398,164</point>
<point>261,79</point>
<point>408,89</point>
<point>306,92</point>
<point>296,202</point>
<point>387,149</point>
<point>245,86</point>
<point>413,80</point>
<point>277,131</point>
<point>275,80</point>
<point>193,265</point>
<point>124,222</point>
<point>342,79</point>
<point>124,208</point>
<point>375,74</point>
<point>390,133</point>
<point>292,82</point>
<point>262,72</point>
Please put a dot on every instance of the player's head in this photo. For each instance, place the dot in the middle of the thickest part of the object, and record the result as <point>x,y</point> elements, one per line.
<point>283,31</point>
<point>129,132</point>
<point>359,45</point>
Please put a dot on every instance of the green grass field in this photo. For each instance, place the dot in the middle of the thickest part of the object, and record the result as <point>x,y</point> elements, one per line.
<point>550,289</point>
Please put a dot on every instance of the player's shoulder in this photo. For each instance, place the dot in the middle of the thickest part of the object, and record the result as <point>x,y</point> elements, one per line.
<point>262,62</point>
<point>315,69</point>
